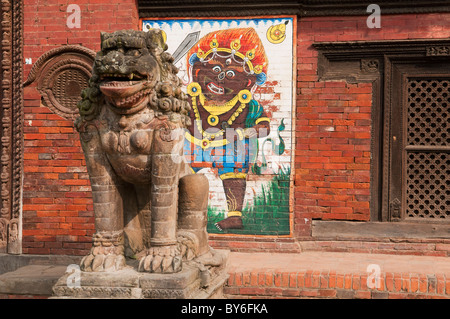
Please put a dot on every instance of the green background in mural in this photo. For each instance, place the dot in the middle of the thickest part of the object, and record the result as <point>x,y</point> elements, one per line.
<point>269,214</point>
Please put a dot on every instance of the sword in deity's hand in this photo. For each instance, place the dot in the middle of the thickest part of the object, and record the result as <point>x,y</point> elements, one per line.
<point>185,46</point>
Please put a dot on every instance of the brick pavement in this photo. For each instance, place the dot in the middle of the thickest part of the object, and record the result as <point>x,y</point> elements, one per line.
<point>310,274</point>
<point>337,275</point>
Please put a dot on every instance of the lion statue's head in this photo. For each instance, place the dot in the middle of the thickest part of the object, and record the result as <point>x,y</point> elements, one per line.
<point>132,71</point>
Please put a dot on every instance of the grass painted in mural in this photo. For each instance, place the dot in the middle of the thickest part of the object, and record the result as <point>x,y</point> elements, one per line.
<point>269,213</point>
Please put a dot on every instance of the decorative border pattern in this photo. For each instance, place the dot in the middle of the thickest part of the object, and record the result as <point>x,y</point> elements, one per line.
<point>11,161</point>
<point>438,51</point>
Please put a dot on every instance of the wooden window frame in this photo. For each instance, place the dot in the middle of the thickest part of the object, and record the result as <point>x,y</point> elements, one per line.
<point>348,61</point>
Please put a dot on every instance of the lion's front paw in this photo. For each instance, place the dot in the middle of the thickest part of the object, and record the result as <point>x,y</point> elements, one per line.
<point>165,259</point>
<point>102,262</point>
<point>106,255</point>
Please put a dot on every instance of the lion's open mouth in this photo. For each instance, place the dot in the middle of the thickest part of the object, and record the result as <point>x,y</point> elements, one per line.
<point>124,90</point>
<point>118,77</point>
<point>131,101</point>
<point>119,83</point>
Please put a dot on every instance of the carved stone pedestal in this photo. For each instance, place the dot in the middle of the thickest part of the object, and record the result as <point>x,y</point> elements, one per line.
<point>194,281</point>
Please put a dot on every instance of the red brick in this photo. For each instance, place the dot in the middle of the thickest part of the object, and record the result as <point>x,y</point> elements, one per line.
<point>332,280</point>
<point>397,282</point>
<point>423,283</point>
<point>324,280</point>
<point>356,282</point>
<point>301,279</point>
<point>406,282</point>
<point>290,292</point>
<point>341,185</point>
<point>254,279</point>
<point>238,279</point>
<point>393,295</point>
<point>440,284</point>
<point>414,285</point>
<point>255,291</point>
<point>445,247</point>
<point>315,279</point>
<point>273,291</point>
<point>31,136</point>
<point>285,279</point>
<point>339,281</point>
<point>432,285</point>
<point>293,280</point>
<point>308,279</point>
<point>277,280</point>
<point>362,294</point>
<point>381,284</point>
<point>308,293</point>
<point>261,279</point>
<point>327,292</point>
<point>246,278</point>
<point>341,210</point>
<point>347,281</point>
<point>269,279</point>
<point>390,282</point>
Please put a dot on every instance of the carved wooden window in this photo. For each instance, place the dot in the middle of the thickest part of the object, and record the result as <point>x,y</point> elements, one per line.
<point>426,151</point>
<point>420,142</point>
<point>410,166</point>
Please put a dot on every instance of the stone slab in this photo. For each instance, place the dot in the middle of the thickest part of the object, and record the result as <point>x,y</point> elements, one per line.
<point>31,280</point>
<point>13,262</point>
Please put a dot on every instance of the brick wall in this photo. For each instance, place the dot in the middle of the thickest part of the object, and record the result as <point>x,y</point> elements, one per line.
<point>332,130</point>
<point>57,205</point>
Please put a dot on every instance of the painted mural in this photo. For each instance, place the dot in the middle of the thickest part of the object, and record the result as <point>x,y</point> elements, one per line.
<point>238,76</point>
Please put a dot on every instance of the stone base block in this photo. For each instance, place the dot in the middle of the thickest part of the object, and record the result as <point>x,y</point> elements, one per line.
<point>190,283</point>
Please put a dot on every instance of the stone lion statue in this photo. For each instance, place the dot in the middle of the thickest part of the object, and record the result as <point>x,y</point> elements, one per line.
<point>148,205</point>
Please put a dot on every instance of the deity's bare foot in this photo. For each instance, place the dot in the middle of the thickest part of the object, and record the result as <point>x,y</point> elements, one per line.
<point>233,222</point>
<point>106,254</point>
<point>163,259</point>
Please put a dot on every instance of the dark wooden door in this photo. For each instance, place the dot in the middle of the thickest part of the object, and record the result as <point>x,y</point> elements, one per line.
<point>420,143</point>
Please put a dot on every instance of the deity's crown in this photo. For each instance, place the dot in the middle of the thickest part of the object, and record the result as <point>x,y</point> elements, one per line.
<point>243,43</point>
